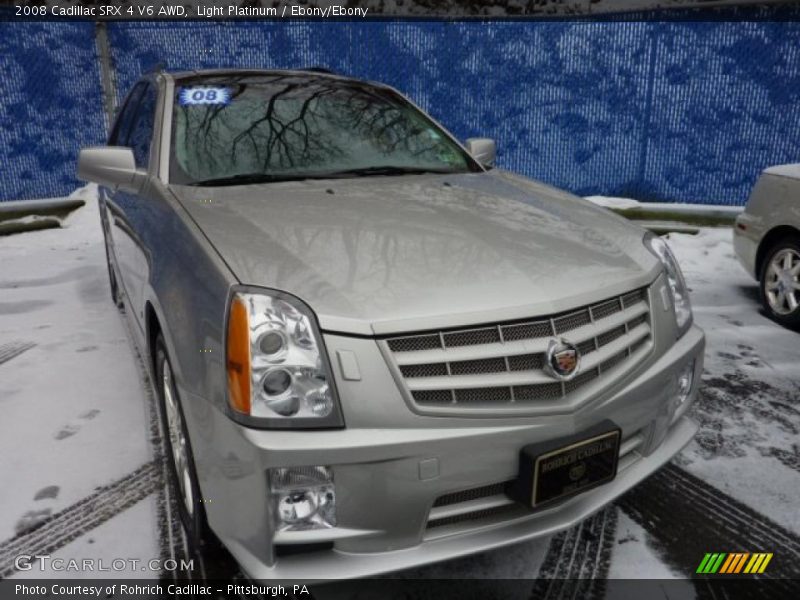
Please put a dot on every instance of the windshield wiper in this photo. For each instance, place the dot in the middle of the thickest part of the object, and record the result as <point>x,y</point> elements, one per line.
<point>247,178</point>
<point>254,178</point>
<point>386,170</point>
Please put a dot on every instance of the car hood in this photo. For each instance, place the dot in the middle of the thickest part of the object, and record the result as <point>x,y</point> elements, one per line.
<point>378,255</point>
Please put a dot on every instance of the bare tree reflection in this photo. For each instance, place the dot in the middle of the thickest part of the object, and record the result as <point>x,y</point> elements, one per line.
<point>295,123</point>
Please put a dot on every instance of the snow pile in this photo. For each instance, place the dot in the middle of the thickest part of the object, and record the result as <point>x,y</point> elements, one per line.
<point>675,207</point>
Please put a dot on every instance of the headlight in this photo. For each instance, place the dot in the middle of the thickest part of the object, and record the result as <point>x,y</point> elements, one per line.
<point>278,371</point>
<point>677,285</point>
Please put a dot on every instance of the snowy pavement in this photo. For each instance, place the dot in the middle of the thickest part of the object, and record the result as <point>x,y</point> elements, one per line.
<point>82,475</point>
<point>73,415</point>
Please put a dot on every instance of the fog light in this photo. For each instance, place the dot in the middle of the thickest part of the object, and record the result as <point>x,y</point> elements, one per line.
<point>295,507</point>
<point>685,380</point>
<point>303,498</point>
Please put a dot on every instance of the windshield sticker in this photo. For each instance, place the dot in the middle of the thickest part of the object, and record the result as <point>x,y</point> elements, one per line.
<point>204,95</point>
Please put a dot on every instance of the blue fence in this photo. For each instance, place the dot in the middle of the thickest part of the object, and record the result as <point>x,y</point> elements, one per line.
<point>50,106</point>
<point>673,111</point>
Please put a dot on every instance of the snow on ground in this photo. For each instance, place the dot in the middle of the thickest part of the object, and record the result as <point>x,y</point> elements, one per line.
<point>633,557</point>
<point>749,407</point>
<point>72,404</point>
<point>119,539</point>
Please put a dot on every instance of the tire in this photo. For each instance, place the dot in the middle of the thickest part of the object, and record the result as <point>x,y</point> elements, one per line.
<point>180,465</point>
<point>779,282</point>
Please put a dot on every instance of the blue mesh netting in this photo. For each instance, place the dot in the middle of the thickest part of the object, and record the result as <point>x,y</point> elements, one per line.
<point>50,105</point>
<point>685,111</point>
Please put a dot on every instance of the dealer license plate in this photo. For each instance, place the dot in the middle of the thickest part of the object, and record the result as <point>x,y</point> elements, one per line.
<point>574,468</point>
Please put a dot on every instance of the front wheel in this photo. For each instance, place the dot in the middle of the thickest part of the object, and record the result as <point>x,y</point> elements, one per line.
<point>780,283</point>
<point>180,463</point>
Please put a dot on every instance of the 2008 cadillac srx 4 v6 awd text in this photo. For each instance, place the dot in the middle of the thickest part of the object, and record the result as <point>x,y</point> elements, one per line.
<point>372,349</point>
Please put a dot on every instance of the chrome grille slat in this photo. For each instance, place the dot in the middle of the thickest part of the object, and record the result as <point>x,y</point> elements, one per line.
<point>504,364</point>
<point>514,347</point>
<point>572,321</point>
<point>445,511</point>
<point>486,380</point>
<point>610,336</point>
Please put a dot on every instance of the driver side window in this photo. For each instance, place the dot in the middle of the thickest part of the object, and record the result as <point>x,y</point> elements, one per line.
<point>134,127</point>
<point>122,126</point>
<point>141,133</point>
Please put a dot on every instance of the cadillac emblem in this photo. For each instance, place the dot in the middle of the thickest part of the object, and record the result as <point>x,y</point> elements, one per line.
<point>563,359</point>
<point>577,471</point>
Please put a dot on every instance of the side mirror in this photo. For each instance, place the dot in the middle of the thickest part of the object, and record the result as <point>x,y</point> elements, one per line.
<point>484,150</point>
<point>110,166</point>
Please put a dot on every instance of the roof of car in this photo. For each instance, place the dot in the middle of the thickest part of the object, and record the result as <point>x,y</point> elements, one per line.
<point>311,72</point>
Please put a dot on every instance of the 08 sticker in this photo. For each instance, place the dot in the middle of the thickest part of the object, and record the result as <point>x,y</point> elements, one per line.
<point>204,95</point>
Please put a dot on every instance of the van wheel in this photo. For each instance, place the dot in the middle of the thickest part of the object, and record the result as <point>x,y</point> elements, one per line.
<point>780,282</point>
<point>180,463</point>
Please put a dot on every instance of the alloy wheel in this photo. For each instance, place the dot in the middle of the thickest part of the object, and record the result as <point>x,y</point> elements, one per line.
<point>178,443</point>
<point>782,281</point>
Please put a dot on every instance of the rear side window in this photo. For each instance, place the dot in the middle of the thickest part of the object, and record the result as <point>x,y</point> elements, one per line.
<point>141,133</point>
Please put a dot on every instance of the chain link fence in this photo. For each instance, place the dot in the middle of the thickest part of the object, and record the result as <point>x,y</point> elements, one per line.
<point>672,111</point>
<point>50,105</point>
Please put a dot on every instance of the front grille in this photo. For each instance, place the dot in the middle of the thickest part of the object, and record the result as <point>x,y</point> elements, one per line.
<point>495,511</point>
<point>472,494</point>
<point>504,363</point>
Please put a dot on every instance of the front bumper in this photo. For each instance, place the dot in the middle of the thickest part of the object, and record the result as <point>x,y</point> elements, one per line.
<point>387,480</point>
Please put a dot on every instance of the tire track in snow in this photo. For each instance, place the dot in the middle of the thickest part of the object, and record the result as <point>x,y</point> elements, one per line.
<point>14,349</point>
<point>686,518</point>
<point>80,518</point>
<point>577,562</point>
<point>171,538</point>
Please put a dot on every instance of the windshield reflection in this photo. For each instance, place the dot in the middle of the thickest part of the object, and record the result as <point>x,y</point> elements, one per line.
<point>288,126</point>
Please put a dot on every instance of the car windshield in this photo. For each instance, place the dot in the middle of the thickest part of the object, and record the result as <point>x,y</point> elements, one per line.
<point>283,127</point>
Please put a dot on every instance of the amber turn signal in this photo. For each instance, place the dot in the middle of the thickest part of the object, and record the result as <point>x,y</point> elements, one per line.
<point>238,358</point>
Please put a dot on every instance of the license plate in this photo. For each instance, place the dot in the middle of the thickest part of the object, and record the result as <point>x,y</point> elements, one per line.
<point>573,466</point>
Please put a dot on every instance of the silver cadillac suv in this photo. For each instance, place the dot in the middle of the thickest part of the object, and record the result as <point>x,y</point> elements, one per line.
<point>372,349</point>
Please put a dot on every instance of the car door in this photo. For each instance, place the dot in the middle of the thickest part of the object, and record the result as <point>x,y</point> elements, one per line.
<point>110,212</point>
<point>129,210</point>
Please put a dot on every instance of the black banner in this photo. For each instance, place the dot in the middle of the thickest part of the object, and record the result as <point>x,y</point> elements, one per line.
<point>382,9</point>
<point>731,587</point>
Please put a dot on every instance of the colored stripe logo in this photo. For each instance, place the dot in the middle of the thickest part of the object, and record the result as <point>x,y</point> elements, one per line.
<point>734,562</point>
